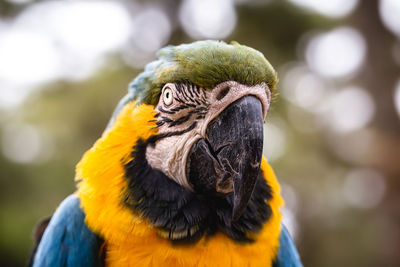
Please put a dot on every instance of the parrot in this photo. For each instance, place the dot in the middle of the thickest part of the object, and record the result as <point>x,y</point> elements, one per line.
<point>178,178</point>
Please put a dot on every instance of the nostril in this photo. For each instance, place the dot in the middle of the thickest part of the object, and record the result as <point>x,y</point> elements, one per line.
<point>223,93</point>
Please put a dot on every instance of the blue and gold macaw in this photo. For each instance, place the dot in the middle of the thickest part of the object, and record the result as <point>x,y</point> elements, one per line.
<point>178,177</point>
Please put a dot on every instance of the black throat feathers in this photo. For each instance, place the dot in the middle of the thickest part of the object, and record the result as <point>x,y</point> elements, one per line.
<point>183,216</point>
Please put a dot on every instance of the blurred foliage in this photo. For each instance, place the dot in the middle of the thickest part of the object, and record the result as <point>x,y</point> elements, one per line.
<point>329,232</point>
<point>76,115</point>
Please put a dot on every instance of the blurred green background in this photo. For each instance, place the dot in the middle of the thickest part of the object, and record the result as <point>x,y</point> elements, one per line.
<point>332,135</point>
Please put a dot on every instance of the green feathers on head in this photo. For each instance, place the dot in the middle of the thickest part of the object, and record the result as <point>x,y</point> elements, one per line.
<point>203,63</point>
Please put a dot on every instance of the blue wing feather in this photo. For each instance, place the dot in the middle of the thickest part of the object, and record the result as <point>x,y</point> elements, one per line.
<point>67,241</point>
<point>287,253</point>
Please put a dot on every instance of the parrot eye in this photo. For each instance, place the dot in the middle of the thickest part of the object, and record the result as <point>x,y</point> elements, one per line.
<point>167,96</point>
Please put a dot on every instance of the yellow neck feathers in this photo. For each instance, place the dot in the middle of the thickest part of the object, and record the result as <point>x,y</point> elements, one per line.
<point>130,239</point>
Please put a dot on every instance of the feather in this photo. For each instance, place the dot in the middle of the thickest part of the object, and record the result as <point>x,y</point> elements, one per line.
<point>202,63</point>
<point>132,240</point>
<point>67,242</point>
<point>287,254</point>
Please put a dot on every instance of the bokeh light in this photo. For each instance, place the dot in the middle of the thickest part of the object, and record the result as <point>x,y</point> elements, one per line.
<point>332,8</point>
<point>304,88</point>
<point>19,2</point>
<point>208,18</point>
<point>364,188</point>
<point>303,121</point>
<point>12,95</point>
<point>274,140</point>
<point>23,143</point>
<point>106,30</point>
<point>351,108</point>
<point>151,31</point>
<point>397,97</point>
<point>337,53</point>
<point>26,57</point>
<point>331,134</point>
<point>43,43</point>
<point>389,11</point>
<point>290,209</point>
<point>83,39</point>
<point>352,147</point>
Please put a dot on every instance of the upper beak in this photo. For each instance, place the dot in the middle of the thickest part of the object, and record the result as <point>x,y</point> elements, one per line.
<point>229,158</point>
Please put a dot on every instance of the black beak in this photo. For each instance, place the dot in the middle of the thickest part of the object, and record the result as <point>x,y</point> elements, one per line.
<point>229,158</point>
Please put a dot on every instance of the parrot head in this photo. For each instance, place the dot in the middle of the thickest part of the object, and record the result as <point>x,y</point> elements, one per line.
<point>210,99</point>
<point>207,103</point>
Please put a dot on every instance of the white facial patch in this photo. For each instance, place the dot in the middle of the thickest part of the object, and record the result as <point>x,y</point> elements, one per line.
<point>184,121</point>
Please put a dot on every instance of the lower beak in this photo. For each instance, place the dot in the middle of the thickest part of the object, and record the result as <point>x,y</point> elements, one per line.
<point>229,158</point>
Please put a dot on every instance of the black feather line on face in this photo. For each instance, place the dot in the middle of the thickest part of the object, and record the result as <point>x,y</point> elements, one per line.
<point>154,138</point>
<point>179,108</point>
<point>180,120</point>
<point>183,216</point>
<point>165,111</point>
<point>179,100</point>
